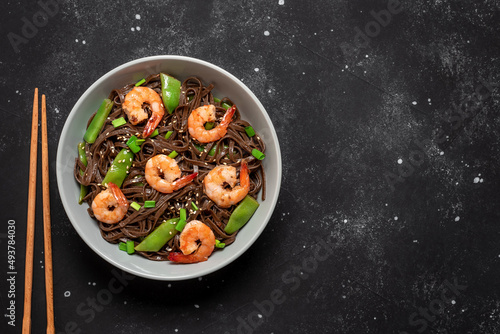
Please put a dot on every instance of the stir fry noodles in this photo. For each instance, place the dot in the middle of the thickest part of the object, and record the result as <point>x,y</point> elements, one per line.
<point>169,170</point>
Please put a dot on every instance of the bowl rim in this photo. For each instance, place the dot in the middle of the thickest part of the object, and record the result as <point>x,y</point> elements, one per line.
<point>110,259</point>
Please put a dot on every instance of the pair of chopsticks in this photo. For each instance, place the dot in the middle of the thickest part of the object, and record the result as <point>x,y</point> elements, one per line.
<point>30,233</point>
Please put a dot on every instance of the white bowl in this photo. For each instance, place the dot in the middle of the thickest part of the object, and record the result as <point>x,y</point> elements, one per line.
<point>181,67</point>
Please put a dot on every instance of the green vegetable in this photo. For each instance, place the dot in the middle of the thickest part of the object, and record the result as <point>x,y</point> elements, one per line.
<point>119,168</point>
<point>219,244</point>
<point>118,122</point>
<point>159,237</point>
<point>223,104</point>
<point>149,204</point>
<point>130,247</point>
<point>170,92</point>
<point>83,158</point>
<point>182,214</point>
<point>250,131</point>
<point>133,144</point>
<point>209,125</point>
<point>140,82</point>
<point>98,121</point>
<point>135,205</point>
<point>122,246</point>
<point>241,215</point>
<point>194,206</point>
<point>180,225</point>
<point>154,134</point>
<point>169,133</point>
<point>173,154</point>
<point>258,154</point>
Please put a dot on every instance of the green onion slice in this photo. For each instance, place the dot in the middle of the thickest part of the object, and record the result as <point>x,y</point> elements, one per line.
<point>173,154</point>
<point>140,82</point>
<point>149,204</point>
<point>258,154</point>
<point>118,122</point>
<point>135,205</point>
<point>168,134</point>
<point>250,131</point>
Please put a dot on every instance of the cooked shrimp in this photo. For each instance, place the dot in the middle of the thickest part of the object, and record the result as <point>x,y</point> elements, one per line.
<point>110,205</point>
<point>136,114</point>
<point>216,181</point>
<point>197,242</point>
<point>204,114</point>
<point>163,174</point>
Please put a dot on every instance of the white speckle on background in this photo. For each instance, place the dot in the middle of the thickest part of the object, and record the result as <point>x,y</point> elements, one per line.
<point>281,2</point>
<point>457,218</point>
<point>476,179</point>
<point>256,69</point>
<point>453,302</point>
<point>125,302</point>
<point>266,33</point>
<point>345,220</point>
<point>259,315</point>
<point>138,28</point>
<point>133,29</point>
<point>196,305</point>
<point>200,278</point>
<point>396,218</point>
<point>76,40</point>
<point>67,294</point>
<point>93,284</point>
<point>176,330</point>
<point>170,285</point>
<point>56,110</point>
<point>415,241</point>
<point>269,91</point>
<point>481,180</point>
<point>137,16</point>
<point>414,103</point>
<point>400,161</point>
<point>83,42</point>
<point>441,153</point>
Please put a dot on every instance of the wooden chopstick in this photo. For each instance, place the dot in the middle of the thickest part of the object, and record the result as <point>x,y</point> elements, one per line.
<point>49,293</point>
<point>30,231</point>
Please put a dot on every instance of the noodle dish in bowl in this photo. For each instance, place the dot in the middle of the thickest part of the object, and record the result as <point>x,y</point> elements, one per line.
<point>169,167</point>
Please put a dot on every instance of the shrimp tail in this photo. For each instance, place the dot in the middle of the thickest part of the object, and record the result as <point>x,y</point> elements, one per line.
<point>244,174</point>
<point>118,194</point>
<point>151,125</point>
<point>181,258</point>
<point>227,117</point>
<point>184,181</point>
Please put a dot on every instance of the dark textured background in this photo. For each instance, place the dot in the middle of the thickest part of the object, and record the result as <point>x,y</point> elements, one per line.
<point>390,154</point>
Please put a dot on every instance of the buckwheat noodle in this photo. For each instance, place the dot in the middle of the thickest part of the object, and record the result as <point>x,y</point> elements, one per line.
<point>230,150</point>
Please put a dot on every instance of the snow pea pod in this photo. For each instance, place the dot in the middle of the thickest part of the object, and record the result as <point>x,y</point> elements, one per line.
<point>119,168</point>
<point>159,237</point>
<point>170,92</point>
<point>98,121</point>
<point>241,215</point>
<point>83,158</point>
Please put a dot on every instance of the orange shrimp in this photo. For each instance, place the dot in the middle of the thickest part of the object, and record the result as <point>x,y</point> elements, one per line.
<point>133,107</point>
<point>204,114</point>
<point>164,175</point>
<point>197,242</point>
<point>214,185</point>
<point>110,205</point>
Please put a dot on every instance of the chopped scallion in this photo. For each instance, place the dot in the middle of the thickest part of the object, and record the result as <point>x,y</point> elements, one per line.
<point>258,154</point>
<point>135,205</point>
<point>194,206</point>
<point>209,125</point>
<point>122,246</point>
<point>173,154</point>
<point>118,122</point>
<point>130,247</point>
<point>219,244</point>
<point>182,214</point>
<point>154,134</point>
<point>149,204</point>
<point>140,82</point>
<point>168,134</point>
<point>140,141</point>
<point>180,225</point>
<point>132,144</point>
<point>250,131</point>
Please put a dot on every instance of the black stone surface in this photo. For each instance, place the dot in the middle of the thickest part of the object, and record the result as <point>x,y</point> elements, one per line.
<point>389,132</point>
